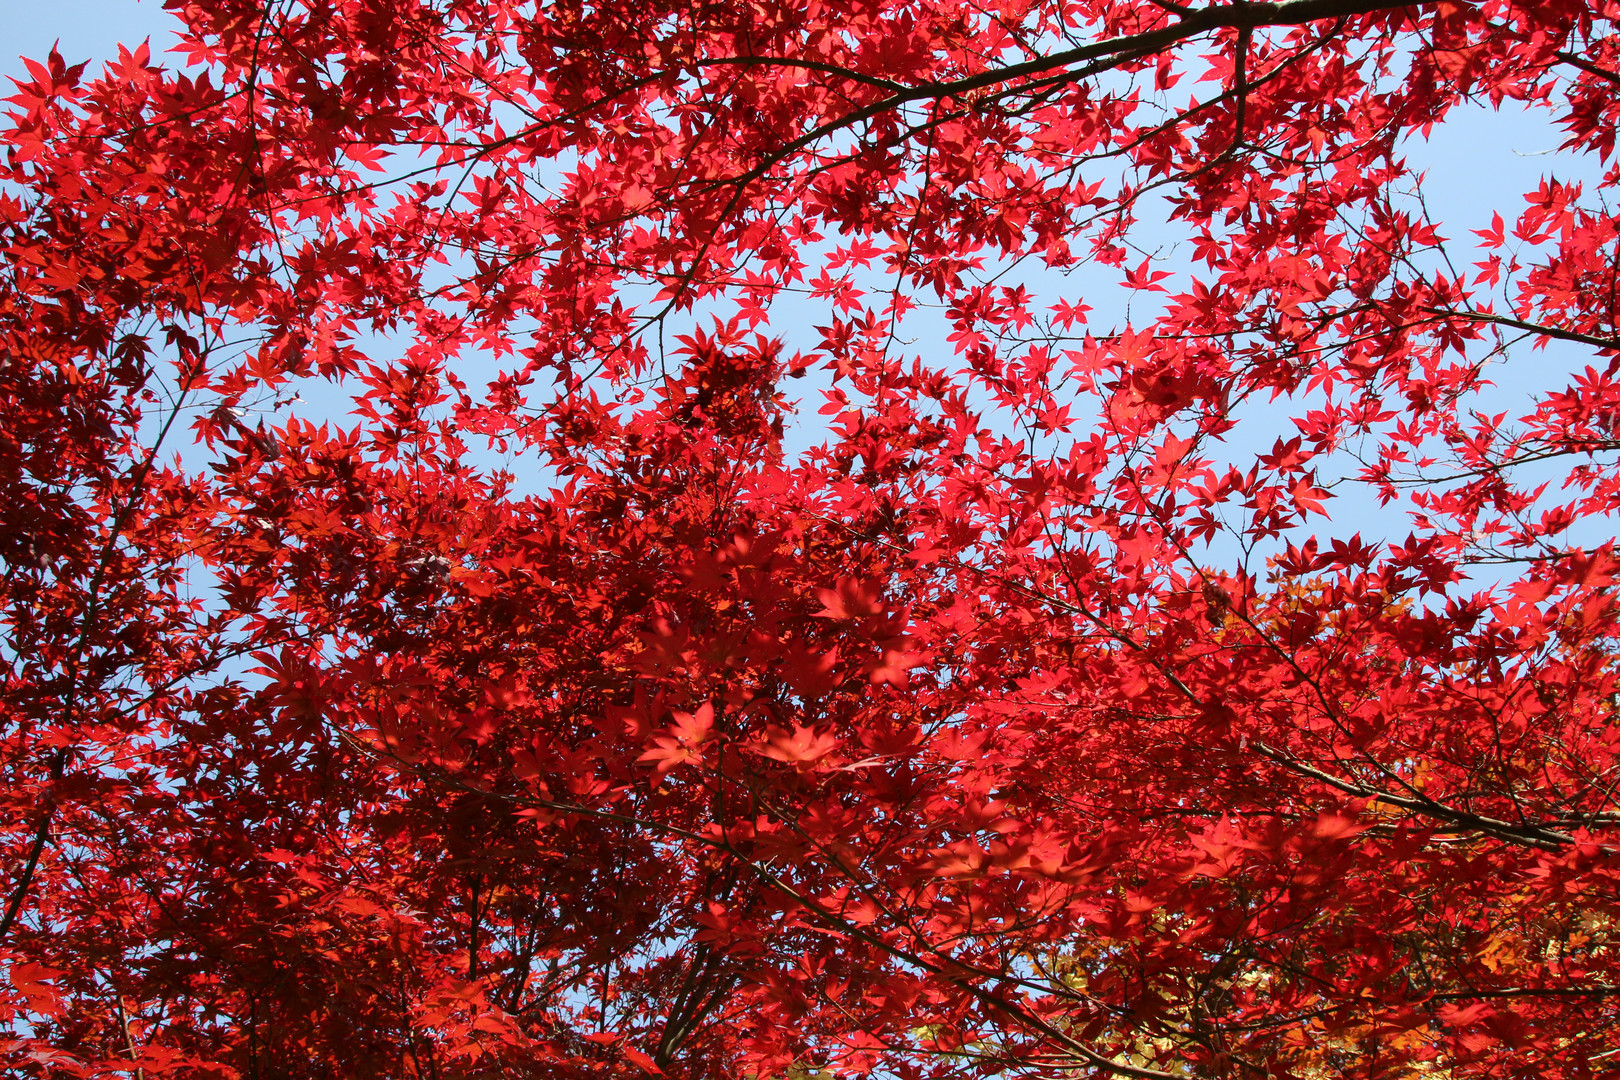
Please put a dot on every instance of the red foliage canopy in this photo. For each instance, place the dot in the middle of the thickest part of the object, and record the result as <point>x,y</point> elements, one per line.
<point>1021,713</point>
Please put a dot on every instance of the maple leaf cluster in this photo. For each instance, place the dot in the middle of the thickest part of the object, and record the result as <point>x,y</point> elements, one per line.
<point>440,641</point>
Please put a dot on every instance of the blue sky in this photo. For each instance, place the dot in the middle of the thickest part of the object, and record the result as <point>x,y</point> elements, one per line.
<point>1477,162</point>
<point>86,28</point>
